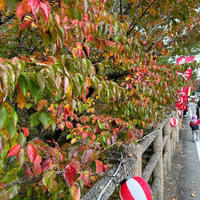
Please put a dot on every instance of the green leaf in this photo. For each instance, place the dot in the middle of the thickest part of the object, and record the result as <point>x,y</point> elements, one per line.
<point>80,79</point>
<point>41,81</point>
<point>10,193</point>
<point>20,65</point>
<point>53,124</point>
<point>14,117</point>
<point>48,178</point>
<point>10,176</point>
<point>22,139</point>
<point>5,151</point>
<point>11,129</point>
<point>100,68</point>
<point>100,125</point>
<point>21,157</point>
<point>87,66</point>
<point>70,136</point>
<point>23,84</point>
<point>34,120</point>
<point>44,119</point>
<point>35,91</point>
<point>76,13</point>
<point>29,105</point>
<point>3,117</point>
<point>66,2</point>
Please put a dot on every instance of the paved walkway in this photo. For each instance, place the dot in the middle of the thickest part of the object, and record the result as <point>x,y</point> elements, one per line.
<point>184,181</point>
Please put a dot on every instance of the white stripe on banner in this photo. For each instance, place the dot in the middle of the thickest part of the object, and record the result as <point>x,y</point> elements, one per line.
<point>136,190</point>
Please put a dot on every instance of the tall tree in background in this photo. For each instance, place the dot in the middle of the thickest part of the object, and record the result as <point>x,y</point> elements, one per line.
<point>79,78</point>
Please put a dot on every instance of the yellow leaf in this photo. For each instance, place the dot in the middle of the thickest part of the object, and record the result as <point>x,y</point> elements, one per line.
<point>73,140</point>
<point>74,50</point>
<point>21,100</point>
<point>69,91</point>
<point>2,5</point>
<point>75,192</point>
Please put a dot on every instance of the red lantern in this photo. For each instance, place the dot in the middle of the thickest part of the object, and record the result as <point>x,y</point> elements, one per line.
<point>135,188</point>
<point>173,122</point>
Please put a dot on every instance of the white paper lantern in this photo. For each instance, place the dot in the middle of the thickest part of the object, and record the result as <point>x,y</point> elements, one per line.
<point>173,122</point>
<point>179,113</point>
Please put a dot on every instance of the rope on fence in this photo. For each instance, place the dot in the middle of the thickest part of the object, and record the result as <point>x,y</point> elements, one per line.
<point>122,163</point>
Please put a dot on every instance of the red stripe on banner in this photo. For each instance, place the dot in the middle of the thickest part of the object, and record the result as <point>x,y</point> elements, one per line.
<point>125,193</point>
<point>145,187</point>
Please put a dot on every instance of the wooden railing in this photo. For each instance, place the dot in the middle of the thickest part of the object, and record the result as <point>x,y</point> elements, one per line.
<point>156,150</point>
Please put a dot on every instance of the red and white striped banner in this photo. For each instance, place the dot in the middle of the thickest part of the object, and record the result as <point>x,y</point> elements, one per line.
<point>183,60</point>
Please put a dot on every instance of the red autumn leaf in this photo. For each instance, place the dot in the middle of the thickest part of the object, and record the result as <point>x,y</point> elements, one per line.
<point>60,156</point>
<point>28,171</point>
<point>57,18</point>
<point>84,134</point>
<point>1,186</point>
<point>46,164</point>
<point>61,126</point>
<point>69,175</point>
<point>87,49</point>
<point>106,168</point>
<point>99,167</point>
<point>26,131</point>
<point>14,150</point>
<point>45,8</point>
<point>32,6</point>
<point>37,169</point>
<point>94,137</point>
<point>31,152</point>
<point>85,176</point>
<point>96,130</point>
<point>76,164</point>
<point>20,10</point>
<point>108,141</point>
<point>25,25</point>
<point>166,85</point>
<point>60,110</point>
<point>120,127</point>
<point>116,131</point>
<point>38,159</point>
<point>1,59</point>
<point>69,124</point>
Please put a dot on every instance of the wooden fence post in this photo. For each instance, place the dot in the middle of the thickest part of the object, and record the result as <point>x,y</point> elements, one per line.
<point>158,171</point>
<point>178,127</point>
<point>137,152</point>
<point>167,147</point>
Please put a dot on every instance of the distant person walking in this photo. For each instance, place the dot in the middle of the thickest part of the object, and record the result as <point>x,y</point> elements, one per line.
<point>194,124</point>
<point>185,112</point>
<point>197,108</point>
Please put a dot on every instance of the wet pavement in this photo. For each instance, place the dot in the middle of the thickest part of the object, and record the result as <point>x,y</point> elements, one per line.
<point>184,180</point>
